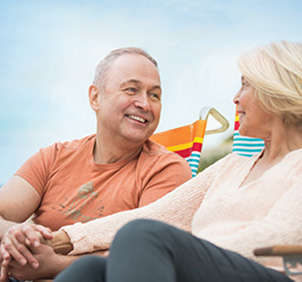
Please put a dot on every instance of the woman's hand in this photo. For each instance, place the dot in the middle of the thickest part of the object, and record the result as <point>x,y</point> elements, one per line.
<point>16,243</point>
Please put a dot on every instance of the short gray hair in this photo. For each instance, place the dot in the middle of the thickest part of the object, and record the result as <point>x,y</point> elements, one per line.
<point>104,65</point>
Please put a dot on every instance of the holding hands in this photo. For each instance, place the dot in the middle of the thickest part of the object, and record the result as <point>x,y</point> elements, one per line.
<point>19,244</point>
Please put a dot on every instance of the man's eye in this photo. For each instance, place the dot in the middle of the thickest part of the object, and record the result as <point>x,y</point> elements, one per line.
<point>131,90</point>
<point>155,96</point>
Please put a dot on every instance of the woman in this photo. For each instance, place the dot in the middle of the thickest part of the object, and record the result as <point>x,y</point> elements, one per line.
<point>231,208</point>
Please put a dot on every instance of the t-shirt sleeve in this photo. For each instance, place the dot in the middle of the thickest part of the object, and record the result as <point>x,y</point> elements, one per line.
<point>172,172</point>
<point>36,169</point>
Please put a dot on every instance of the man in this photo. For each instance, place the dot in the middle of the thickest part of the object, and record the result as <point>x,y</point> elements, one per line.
<point>116,169</point>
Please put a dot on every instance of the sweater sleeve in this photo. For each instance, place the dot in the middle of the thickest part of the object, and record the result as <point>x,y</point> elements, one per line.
<point>282,225</point>
<point>176,208</point>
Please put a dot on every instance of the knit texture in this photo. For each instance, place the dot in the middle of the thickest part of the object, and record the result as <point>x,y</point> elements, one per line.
<point>215,206</point>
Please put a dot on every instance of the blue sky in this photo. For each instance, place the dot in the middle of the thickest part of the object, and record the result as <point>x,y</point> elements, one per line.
<point>49,50</point>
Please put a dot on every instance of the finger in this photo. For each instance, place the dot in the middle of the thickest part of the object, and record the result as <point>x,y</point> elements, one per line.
<point>29,257</point>
<point>18,234</point>
<point>15,250</point>
<point>3,274</point>
<point>6,258</point>
<point>27,254</point>
<point>32,235</point>
<point>46,232</point>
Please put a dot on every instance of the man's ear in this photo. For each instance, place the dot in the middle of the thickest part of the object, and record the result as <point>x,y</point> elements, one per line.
<point>94,100</point>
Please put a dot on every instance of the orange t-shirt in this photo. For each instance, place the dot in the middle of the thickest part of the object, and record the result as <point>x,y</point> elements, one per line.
<point>74,188</point>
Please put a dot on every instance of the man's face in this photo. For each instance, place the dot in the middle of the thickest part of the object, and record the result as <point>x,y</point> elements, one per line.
<point>130,102</point>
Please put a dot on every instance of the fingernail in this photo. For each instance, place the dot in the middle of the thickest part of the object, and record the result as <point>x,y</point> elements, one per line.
<point>36,244</point>
<point>23,261</point>
<point>35,265</point>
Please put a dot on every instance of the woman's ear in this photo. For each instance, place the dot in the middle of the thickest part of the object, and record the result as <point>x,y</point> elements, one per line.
<point>94,97</point>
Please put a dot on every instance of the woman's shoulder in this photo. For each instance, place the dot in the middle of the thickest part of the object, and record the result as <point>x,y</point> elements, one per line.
<point>234,160</point>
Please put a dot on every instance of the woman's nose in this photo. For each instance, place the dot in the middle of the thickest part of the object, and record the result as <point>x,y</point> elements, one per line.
<point>236,98</point>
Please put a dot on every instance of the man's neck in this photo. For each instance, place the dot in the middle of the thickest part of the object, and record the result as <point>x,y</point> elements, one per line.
<point>106,153</point>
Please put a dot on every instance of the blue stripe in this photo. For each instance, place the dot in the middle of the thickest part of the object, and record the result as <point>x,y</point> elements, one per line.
<point>248,139</point>
<point>246,155</point>
<point>193,165</point>
<point>248,144</point>
<point>195,155</point>
<point>192,160</point>
<point>247,150</point>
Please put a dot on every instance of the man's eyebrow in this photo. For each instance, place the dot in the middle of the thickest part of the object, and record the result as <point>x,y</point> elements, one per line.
<point>156,87</point>
<point>135,81</point>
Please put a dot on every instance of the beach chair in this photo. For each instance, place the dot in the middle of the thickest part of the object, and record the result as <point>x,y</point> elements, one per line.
<point>187,140</point>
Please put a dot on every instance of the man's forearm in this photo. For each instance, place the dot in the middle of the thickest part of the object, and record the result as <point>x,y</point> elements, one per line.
<point>60,264</point>
<point>5,225</point>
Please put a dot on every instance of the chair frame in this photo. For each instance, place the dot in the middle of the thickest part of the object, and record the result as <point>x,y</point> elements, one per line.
<point>291,256</point>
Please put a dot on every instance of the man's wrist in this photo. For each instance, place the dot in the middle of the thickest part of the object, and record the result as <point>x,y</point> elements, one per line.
<point>62,263</point>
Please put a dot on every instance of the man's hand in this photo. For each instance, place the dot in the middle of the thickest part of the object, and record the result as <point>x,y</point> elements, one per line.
<point>49,265</point>
<point>18,240</point>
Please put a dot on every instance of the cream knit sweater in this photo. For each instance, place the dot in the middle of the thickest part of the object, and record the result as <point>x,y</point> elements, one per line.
<point>214,206</point>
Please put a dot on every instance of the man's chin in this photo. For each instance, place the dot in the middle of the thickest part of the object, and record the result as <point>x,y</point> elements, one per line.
<point>137,138</point>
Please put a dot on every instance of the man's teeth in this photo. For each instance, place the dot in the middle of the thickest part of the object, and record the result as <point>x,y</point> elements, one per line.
<point>137,118</point>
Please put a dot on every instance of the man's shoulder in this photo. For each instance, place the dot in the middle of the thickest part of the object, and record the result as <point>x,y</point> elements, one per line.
<point>155,159</point>
<point>73,144</point>
<point>59,150</point>
<point>154,149</point>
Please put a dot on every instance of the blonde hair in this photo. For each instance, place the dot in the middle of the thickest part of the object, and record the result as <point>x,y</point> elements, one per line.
<point>275,71</point>
<point>104,65</point>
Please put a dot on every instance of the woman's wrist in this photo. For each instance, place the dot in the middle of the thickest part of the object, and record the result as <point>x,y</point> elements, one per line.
<point>60,242</point>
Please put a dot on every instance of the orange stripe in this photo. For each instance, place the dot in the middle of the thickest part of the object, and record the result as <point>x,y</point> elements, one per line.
<point>181,135</point>
<point>186,145</point>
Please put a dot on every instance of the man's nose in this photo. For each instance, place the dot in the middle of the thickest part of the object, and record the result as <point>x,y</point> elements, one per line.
<point>142,101</point>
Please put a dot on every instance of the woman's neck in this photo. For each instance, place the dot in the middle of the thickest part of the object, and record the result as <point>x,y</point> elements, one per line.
<point>282,141</point>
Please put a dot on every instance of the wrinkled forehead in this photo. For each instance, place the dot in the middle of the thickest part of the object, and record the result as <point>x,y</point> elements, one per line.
<point>132,67</point>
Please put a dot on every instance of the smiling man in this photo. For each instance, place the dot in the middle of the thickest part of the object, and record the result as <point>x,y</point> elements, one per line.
<point>116,169</point>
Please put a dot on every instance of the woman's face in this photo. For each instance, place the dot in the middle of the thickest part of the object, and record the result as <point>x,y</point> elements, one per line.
<point>254,120</point>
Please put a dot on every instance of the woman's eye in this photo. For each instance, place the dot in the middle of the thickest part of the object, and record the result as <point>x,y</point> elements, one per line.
<point>244,84</point>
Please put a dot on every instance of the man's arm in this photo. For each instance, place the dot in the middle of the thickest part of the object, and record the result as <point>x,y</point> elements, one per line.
<point>18,201</point>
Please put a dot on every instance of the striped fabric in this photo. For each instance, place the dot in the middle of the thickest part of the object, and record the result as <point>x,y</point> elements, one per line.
<point>186,141</point>
<point>245,146</point>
